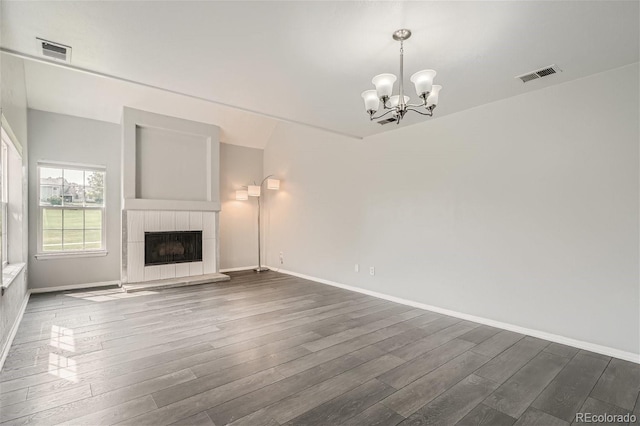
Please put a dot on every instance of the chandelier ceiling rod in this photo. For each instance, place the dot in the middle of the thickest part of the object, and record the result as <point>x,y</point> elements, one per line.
<point>401,35</point>
<point>400,85</point>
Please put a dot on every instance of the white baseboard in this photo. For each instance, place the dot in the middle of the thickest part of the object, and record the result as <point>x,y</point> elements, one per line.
<point>74,287</point>
<point>239,268</point>
<point>587,346</point>
<point>14,330</point>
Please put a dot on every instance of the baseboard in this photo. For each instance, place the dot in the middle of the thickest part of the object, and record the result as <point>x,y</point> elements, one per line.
<point>239,268</point>
<point>14,330</point>
<point>75,287</point>
<point>587,346</point>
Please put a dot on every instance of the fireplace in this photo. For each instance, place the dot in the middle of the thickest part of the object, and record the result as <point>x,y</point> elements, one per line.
<point>157,202</point>
<point>162,248</point>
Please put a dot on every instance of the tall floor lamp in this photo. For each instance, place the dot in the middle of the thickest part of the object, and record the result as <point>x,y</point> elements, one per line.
<point>254,191</point>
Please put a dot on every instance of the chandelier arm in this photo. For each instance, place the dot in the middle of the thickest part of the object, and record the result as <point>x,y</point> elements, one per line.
<point>381,115</point>
<point>429,114</point>
<point>415,105</point>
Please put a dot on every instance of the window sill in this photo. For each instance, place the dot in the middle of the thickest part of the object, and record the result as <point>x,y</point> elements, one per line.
<point>71,255</point>
<point>9,274</point>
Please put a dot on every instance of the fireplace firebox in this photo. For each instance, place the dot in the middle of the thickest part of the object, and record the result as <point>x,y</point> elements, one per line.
<point>162,248</point>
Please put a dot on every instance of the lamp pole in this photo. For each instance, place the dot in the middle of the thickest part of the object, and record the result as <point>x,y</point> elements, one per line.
<point>255,190</point>
<point>260,268</point>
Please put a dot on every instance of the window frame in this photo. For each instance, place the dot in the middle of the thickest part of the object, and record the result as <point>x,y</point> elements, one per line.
<point>102,251</point>
<point>4,200</point>
<point>15,192</point>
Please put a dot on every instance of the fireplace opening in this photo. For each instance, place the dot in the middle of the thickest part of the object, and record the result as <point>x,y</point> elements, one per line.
<point>162,248</point>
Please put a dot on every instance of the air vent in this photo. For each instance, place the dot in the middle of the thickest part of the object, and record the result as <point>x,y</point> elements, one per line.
<point>57,51</point>
<point>543,72</point>
<point>387,121</point>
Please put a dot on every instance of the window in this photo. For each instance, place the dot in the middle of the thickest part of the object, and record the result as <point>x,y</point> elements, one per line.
<point>12,206</point>
<point>72,209</point>
<point>4,200</point>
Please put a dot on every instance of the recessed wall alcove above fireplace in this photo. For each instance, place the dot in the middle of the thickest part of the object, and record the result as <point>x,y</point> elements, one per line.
<point>171,200</point>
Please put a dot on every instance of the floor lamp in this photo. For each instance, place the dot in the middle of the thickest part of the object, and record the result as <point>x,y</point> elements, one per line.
<point>255,191</point>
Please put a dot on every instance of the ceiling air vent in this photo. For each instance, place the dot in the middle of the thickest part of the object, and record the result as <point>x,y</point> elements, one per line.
<point>57,51</point>
<point>543,72</point>
<point>387,121</point>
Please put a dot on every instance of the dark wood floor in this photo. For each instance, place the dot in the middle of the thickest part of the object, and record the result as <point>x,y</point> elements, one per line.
<point>272,349</point>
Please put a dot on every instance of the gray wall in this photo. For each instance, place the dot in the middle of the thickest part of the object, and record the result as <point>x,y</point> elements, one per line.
<point>523,211</point>
<point>171,165</point>
<point>239,166</point>
<point>13,101</point>
<point>14,95</point>
<point>57,137</point>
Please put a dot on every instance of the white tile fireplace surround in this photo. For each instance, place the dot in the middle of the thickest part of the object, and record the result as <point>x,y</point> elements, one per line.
<point>141,221</point>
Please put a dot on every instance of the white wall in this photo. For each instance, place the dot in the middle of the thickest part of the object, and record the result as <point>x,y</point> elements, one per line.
<point>13,102</point>
<point>523,211</point>
<point>57,137</point>
<point>239,166</point>
<point>315,217</point>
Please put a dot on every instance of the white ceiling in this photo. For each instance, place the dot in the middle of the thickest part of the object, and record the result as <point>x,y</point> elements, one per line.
<point>306,62</point>
<point>55,89</point>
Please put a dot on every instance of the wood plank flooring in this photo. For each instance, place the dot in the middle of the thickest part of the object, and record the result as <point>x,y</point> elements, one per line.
<point>271,349</point>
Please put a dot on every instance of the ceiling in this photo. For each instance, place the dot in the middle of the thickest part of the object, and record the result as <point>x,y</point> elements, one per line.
<point>247,65</point>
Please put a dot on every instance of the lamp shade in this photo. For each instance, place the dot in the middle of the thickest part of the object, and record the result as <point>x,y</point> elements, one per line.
<point>384,84</point>
<point>253,190</point>
<point>371,101</point>
<point>423,81</point>
<point>433,97</point>
<point>393,101</point>
<point>273,183</point>
<point>242,195</point>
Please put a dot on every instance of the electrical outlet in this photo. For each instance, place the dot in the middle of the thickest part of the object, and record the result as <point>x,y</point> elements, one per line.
<point>372,270</point>
<point>281,258</point>
<point>357,268</point>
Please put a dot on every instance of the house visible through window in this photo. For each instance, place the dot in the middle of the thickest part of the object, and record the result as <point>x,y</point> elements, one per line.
<point>72,208</point>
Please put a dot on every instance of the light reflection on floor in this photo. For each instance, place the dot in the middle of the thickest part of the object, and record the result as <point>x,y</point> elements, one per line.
<point>63,367</point>
<point>62,338</point>
<point>108,295</point>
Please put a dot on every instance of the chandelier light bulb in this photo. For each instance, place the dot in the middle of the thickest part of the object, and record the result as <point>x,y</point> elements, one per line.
<point>393,101</point>
<point>423,80</point>
<point>384,84</point>
<point>371,101</point>
<point>433,97</point>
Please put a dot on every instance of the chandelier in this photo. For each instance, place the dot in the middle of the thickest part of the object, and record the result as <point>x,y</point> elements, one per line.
<point>398,105</point>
